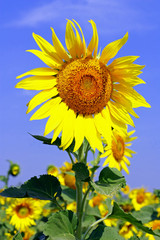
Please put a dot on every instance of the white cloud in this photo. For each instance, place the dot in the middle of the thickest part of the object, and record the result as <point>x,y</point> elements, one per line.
<point>112,16</point>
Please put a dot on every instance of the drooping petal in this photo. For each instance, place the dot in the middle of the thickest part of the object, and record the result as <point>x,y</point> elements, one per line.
<point>79,132</point>
<point>68,129</point>
<point>59,47</point>
<point>112,49</point>
<point>93,45</point>
<point>78,41</point>
<point>70,40</point>
<point>37,83</point>
<point>83,44</point>
<point>92,135</point>
<point>57,115</point>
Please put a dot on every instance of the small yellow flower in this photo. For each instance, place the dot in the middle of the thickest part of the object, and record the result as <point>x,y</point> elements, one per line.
<point>82,95</point>
<point>104,211</point>
<point>140,198</point>
<point>117,151</point>
<point>23,213</point>
<point>14,169</point>
<point>127,230</point>
<point>52,170</point>
<point>72,206</point>
<point>97,200</point>
<point>126,189</point>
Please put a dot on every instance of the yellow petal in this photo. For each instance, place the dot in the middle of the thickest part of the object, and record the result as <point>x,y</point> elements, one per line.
<point>93,45</point>
<point>39,72</point>
<point>130,80</point>
<point>120,99</point>
<point>78,40</point>
<point>37,83</point>
<point>59,47</point>
<point>120,113</point>
<point>68,129</point>
<point>102,126</point>
<point>83,44</point>
<point>70,40</point>
<point>47,48</point>
<point>41,97</point>
<point>48,60</point>
<point>45,110</point>
<point>136,99</point>
<point>92,135</point>
<point>124,167</point>
<point>78,132</point>
<point>122,61</point>
<point>57,115</point>
<point>112,49</point>
<point>57,131</point>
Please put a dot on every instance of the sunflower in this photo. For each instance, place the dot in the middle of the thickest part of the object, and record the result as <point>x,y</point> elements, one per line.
<point>82,96</point>
<point>23,213</point>
<point>140,198</point>
<point>117,152</point>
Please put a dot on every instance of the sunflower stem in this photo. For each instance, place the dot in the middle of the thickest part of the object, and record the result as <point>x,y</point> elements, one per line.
<point>79,196</point>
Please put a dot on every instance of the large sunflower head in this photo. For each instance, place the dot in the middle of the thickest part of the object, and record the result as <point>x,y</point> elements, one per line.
<point>82,96</point>
<point>23,213</point>
<point>117,150</point>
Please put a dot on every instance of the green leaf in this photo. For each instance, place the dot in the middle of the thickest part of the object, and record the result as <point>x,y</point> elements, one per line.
<point>157,192</point>
<point>134,238</point>
<point>57,143</point>
<point>46,187</point>
<point>64,236</point>
<point>68,194</point>
<point>110,181</point>
<point>18,236</point>
<point>102,233</point>
<point>82,172</point>
<point>118,213</point>
<point>61,224</point>
<point>94,211</point>
<point>146,214</point>
<point>3,178</point>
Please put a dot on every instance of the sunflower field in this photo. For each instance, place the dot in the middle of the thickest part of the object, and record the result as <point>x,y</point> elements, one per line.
<point>89,104</point>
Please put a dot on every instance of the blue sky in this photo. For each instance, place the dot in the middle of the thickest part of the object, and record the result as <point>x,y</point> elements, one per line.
<point>113,19</point>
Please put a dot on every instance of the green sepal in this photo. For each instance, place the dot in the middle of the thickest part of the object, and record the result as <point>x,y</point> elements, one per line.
<point>110,182</point>
<point>61,225</point>
<point>118,213</point>
<point>81,171</point>
<point>46,187</point>
<point>102,233</point>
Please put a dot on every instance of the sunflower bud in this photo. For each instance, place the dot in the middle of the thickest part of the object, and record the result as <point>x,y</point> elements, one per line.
<point>14,169</point>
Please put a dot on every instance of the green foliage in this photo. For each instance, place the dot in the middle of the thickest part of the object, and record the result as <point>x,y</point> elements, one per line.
<point>3,178</point>
<point>46,187</point>
<point>102,233</point>
<point>146,214</point>
<point>68,194</point>
<point>81,171</point>
<point>118,213</point>
<point>18,236</point>
<point>61,225</point>
<point>57,143</point>
<point>110,181</point>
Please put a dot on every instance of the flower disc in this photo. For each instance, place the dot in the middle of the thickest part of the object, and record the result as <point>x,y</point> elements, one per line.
<point>85,86</point>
